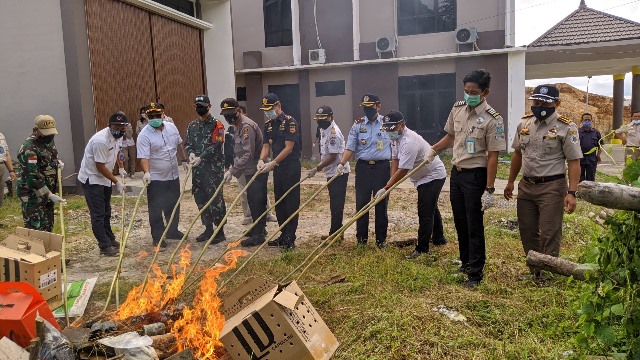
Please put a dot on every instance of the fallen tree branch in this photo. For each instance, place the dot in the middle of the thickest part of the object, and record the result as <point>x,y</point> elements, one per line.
<point>613,196</point>
<point>559,266</point>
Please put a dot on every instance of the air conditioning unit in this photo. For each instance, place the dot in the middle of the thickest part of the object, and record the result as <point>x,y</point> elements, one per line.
<point>317,56</point>
<point>385,44</point>
<point>466,35</point>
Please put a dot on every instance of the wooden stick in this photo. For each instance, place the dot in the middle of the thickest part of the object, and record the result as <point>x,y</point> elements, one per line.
<point>122,194</point>
<point>63,254</point>
<point>613,196</point>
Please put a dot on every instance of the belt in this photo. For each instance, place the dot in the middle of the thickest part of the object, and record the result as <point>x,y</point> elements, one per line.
<point>460,169</point>
<point>542,179</point>
<point>373,162</point>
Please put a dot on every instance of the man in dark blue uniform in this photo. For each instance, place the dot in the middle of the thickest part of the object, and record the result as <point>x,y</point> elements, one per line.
<point>282,136</point>
<point>590,146</point>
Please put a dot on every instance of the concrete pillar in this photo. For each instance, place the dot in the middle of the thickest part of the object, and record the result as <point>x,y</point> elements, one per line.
<point>618,100</point>
<point>635,88</point>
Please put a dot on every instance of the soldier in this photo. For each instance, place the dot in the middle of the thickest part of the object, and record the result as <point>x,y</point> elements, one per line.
<point>331,144</point>
<point>408,150</point>
<point>205,145</point>
<point>247,142</point>
<point>590,145</point>
<point>38,161</point>
<point>632,135</point>
<point>282,135</point>
<point>372,148</point>
<point>5,158</point>
<point>96,179</point>
<point>476,132</point>
<point>544,141</point>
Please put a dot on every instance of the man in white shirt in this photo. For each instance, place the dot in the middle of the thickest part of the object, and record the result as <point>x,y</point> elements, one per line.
<point>408,150</point>
<point>157,150</point>
<point>331,149</point>
<point>97,180</point>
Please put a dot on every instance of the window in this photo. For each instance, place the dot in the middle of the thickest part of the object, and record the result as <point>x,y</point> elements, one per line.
<point>184,6</point>
<point>330,88</point>
<point>241,94</point>
<point>426,16</point>
<point>277,23</point>
<point>425,101</point>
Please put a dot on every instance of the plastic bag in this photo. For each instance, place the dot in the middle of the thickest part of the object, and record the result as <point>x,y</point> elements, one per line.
<point>132,345</point>
<point>55,346</point>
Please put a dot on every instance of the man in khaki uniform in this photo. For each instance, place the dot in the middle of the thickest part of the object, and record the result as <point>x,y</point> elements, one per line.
<point>632,135</point>
<point>476,132</point>
<point>544,141</point>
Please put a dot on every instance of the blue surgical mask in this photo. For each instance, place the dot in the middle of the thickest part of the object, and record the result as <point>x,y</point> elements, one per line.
<point>586,124</point>
<point>370,112</point>
<point>271,114</point>
<point>156,123</point>
<point>472,100</point>
<point>394,135</point>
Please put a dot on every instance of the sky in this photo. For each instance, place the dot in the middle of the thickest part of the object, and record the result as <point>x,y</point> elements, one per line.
<point>535,17</point>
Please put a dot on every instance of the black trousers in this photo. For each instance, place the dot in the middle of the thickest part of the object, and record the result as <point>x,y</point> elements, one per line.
<point>257,199</point>
<point>286,175</point>
<point>98,199</point>
<point>337,194</point>
<point>429,219</point>
<point>370,179</point>
<point>162,197</point>
<point>588,172</point>
<point>467,188</point>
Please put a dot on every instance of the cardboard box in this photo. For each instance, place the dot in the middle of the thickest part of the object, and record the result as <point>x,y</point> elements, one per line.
<point>34,257</point>
<point>265,320</point>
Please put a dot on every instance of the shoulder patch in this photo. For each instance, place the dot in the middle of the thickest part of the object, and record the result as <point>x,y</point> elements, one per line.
<point>564,119</point>
<point>527,115</point>
<point>459,103</point>
<point>494,113</point>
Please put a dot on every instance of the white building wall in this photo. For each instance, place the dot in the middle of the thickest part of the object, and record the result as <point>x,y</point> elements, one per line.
<point>516,74</point>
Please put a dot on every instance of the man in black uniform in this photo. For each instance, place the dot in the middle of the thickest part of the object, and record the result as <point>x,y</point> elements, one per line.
<point>282,135</point>
<point>590,146</point>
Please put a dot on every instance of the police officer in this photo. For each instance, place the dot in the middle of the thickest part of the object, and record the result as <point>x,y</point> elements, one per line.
<point>38,161</point>
<point>372,148</point>
<point>476,132</point>
<point>247,145</point>
<point>5,157</point>
<point>544,144</point>
<point>331,144</point>
<point>590,145</point>
<point>205,145</point>
<point>632,135</point>
<point>408,150</point>
<point>97,179</point>
<point>282,136</point>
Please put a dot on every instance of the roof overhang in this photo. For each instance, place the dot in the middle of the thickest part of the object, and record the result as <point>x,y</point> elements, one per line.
<point>602,58</point>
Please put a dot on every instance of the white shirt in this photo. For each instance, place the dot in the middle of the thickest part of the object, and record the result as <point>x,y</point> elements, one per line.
<point>332,142</point>
<point>410,150</point>
<point>101,148</point>
<point>160,148</point>
<point>4,149</point>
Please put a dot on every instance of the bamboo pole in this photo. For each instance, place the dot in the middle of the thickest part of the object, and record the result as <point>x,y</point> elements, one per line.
<point>122,208</point>
<point>63,254</point>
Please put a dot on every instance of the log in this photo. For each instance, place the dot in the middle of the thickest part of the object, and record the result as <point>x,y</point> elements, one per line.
<point>557,265</point>
<point>613,196</point>
<point>165,345</point>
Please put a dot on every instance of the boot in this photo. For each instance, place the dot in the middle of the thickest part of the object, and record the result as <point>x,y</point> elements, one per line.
<point>208,231</point>
<point>219,237</point>
<point>254,240</point>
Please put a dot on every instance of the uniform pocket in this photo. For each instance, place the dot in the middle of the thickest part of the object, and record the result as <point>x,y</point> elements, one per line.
<point>524,140</point>
<point>550,144</point>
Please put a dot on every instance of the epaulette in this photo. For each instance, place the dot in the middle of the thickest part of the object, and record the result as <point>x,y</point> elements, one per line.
<point>288,117</point>
<point>459,103</point>
<point>357,121</point>
<point>564,119</point>
<point>527,115</point>
<point>493,113</point>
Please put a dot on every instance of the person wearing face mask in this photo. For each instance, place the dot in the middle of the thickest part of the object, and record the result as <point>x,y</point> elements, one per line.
<point>282,136</point>
<point>631,133</point>
<point>477,133</point>
<point>372,149</point>
<point>545,144</point>
<point>142,120</point>
<point>247,144</point>
<point>590,145</point>
<point>408,150</point>
<point>99,183</point>
<point>38,175</point>
<point>205,146</point>
<point>331,150</point>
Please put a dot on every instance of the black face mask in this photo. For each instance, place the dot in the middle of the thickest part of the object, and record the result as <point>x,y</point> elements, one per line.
<point>202,110</point>
<point>231,118</point>
<point>46,139</point>
<point>117,133</point>
<point>541,112</point>
<point>370,112</point>
<point>324,124</point>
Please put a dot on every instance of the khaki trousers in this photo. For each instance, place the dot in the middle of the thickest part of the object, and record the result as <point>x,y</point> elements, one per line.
<point>540,211</point>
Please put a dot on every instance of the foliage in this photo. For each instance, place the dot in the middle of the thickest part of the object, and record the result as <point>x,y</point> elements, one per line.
<point>631,172</point>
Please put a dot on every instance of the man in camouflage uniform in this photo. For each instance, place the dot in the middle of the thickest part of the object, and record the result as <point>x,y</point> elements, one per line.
<point>38,161</point>
<point>204,144</point>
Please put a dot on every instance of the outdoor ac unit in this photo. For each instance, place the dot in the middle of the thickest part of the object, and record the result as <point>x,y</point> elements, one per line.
<point>317,56</point>
<point>385,44</point>
<point>466,35</point>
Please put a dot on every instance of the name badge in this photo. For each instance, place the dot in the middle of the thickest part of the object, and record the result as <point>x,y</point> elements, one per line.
<point>363,129</point>
<point>471,146</point>
<point>379,145</point>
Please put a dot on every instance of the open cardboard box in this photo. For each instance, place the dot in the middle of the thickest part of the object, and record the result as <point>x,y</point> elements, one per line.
<point>33,256</point>
<point>265,320</point>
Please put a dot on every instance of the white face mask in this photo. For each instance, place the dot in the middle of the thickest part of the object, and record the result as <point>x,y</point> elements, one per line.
<point>271,114</point>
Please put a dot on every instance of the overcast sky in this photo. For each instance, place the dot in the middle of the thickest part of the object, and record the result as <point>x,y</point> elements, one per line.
<point>534,17</point>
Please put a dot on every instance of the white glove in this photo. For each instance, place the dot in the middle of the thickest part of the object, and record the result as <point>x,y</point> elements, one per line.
<point>431,154</point>
<point>380,193</point>
<point>227,176</point>
<point>119,187</point>
<point>312,173</point>
<point>192,157</point>
<point>146,178</point>
<point>260,165</point>
<point>196,161</point>
<point>487,200</point>
<point>269,167</point>
<point>340,169</point>
<point>56,199</point>
<point>122,172</point>
<point>60,165</point>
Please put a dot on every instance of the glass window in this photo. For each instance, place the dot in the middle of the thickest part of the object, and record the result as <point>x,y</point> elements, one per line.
<point>184,6</point>
<point>330,88</point>
<point>426,16</point>
<point>277,23</point>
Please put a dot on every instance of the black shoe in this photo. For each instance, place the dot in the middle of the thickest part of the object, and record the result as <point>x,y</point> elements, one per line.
<point>439,242</point>
<point>175,235</point>
<point>206,234</point>
<point>219,237</point>
<point>415,254</point>
<point>115,244</point>
<point>253,241</point>
<point>472,283</point>
<point>277,242</point>
<point>464,268</point>
<point>109,251</point>
<point>162,245</point>
<point>288,245</point>
<point>381,244</point>
<point>362,241</point>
